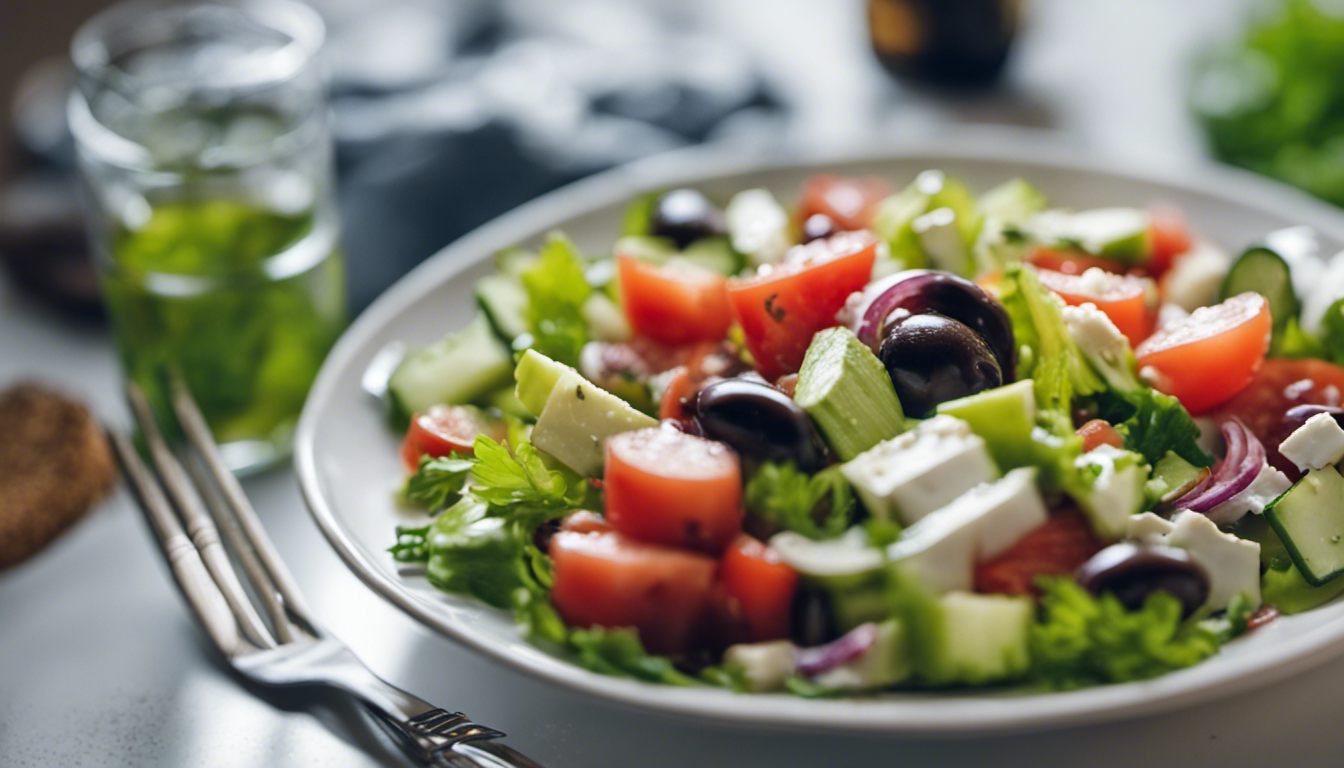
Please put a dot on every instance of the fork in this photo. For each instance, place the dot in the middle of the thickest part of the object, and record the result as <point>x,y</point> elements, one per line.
<point>193,514</point>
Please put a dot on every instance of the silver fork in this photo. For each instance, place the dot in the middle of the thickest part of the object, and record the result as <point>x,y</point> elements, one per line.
<point>189,512</point>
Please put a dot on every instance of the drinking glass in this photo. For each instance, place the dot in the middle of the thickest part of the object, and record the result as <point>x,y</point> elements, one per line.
<point>204,144</point>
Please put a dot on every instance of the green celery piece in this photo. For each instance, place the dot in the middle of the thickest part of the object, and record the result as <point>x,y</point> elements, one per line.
<point>848,393</point>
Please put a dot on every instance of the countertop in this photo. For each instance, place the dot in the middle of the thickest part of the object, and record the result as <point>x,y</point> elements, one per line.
<point>100,663</point>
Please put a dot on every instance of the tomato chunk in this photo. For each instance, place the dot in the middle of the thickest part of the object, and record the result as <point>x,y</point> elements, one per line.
<point>1055,548</point>
<point>1170,238</point>
<point>1279,385</point>
<point>444,429</point>
<point>763,586</point>
<point>1097,433</point>
<point>1130,302</point>
<point>849,202</point>
<point>781,308</point>
<point>1069,262</point>
<point>1206,358</point>
<point>667,487</point>
<point>606,579</point>
<point>676,303</point>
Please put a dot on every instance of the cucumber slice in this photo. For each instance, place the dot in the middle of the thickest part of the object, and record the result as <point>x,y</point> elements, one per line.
<point>1309,519</point>
<point>459,368</point>
<point>1264,271</point>
<point>503,301</point>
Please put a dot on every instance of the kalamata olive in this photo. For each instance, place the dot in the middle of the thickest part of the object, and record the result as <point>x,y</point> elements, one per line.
<point>759,421</point>
<point>818,226</point>
<point>932,359</point>
<point>812,620</point>
<point>1132,572</point>
<point>684,216</point>
<point>922,291</point>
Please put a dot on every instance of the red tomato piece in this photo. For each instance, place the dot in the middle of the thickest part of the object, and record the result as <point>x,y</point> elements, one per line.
<point>1279,385</point>
<point>763,586</point>
<point>1206,358</point>
<point>849,202</point>
<point>1170,238</point>
<point>1097,433</point>
<point>783,306</point>
<point>676,303</point>
<point>1055,548</point>
<point>1130,302</point>
<point>1070,262</point>
<point>585,521</point>
<point>444,429</point>
<point>610,580</point>
<point>667,487</point>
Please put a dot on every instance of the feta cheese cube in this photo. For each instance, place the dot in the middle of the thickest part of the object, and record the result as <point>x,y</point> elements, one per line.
<point>1094,332</point>
<point>1147,528</point>
<point>1266,487</point>
<point>1233,564</point>
<point>765,665</point>
<point>1316,444</point>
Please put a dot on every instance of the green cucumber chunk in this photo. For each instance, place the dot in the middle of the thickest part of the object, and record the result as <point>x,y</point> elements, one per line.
<point>1289,592</point>
<point>577,419</point>
<point>536,375</point>
<point>1003,417</point>
<point>1263,271</point>
<point>503,301</point>
<point>459,368</point>
<point>712,253</point>
<point>1309,519</point>
<point>848,393</point>
<point>963,638</point>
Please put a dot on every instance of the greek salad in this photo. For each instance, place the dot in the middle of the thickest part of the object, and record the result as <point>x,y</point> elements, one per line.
<point>885,437</point>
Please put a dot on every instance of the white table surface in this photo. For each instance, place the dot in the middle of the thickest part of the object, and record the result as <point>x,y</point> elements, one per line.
<point>100,664</point>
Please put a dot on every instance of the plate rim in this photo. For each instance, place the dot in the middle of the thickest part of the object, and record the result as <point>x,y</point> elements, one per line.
<point>912,714</point>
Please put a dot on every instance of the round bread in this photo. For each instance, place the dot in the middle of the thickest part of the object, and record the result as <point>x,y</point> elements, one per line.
<point>55,463</point>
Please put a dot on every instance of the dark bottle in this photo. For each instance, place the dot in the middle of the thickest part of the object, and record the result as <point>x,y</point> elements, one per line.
<point>957,43</point>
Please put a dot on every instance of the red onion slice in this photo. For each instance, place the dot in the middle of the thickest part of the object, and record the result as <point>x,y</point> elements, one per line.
<point>1237,469</point>
<point>822,658</point>
<point>879,299</point>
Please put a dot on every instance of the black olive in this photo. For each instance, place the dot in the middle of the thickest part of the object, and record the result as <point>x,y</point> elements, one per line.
<point>684,216</point>
<point>818,226</point>
<point>1132,572</point>
<point>759,421</point>
<point>811,618</point>
<point>932,359</point>
<point>960,299</point>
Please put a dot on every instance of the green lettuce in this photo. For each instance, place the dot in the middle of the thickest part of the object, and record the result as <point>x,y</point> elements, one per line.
<point>818,506</point>
<point>556,291</point>
<point>437,482</point>
<point>1153,423</point>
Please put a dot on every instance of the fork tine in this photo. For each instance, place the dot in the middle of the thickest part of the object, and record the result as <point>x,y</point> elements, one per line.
<point>193,580</point>
<point>242,512</point>
<point>203,534</point>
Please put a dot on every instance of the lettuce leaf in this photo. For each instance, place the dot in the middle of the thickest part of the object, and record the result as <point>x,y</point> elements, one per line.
<point>556,291</point>
<point>1153,423</point>
<point>819,506</point>
<point>1081,640</point>
<point>437,482</point>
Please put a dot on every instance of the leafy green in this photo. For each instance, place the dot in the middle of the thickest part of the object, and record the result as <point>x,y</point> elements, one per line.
<point>412,545</point>
<point>521,480</point>
<point>437,482</point>
<point>1153,423</point>
<point>474,553</point>
<point>819,506</point>
<point>1082,640</point>
<point>556,291</point>
<point>638,216</point>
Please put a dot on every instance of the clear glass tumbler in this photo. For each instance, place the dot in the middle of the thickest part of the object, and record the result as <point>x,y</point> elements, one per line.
<point>204,142</point>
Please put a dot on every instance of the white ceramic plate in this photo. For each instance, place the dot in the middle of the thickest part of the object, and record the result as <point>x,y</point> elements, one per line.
<point>348,466</point>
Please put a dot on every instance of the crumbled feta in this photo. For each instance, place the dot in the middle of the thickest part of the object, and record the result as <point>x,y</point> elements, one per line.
<point>1194,279</point>
<point>1233,564</point>
<point>1147,528</point>
<point>1117,491</point>
<point>912,474</point>
<point>758,226</point>
<point>1266,487</point>
<point>1095,333</point>
<point>765,665</point>
<point>1316,444</point>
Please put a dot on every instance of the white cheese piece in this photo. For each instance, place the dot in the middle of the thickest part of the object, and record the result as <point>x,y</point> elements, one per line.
<point>1170,313</point>
<point>1117,492</point>
<point>912,474</point>
<point>941,549</point>
<point>1194,279</point>
<point>1233,564</point>
<point>758,226</point>
<point>765,665</point>
<point>1267,486</point>
<point>1094,332</point>
<point>846,555</point>
<point>1316,444</point>
<point>1147,528</point>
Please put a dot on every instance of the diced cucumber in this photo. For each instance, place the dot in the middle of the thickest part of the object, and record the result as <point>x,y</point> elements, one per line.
<point>1115,233</point>
<point>1004,417</point>
<point>1309,519</point>
<point>940,238</point>
<point>459,368</point>
<point>1261,270</point>
<point>536,376</point>
<point>1013,201</point>
<point>503,301</point>
<point>1289,592</point>
<point>963,638</point>
<point>848,393</point>
<point>577,419</point>
<point>1173,477</point>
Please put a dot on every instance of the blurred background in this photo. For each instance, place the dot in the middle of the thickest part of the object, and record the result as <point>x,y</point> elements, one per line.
<point>448,114</point>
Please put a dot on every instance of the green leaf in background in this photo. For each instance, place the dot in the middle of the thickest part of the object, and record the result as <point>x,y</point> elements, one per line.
<point>556,291</point>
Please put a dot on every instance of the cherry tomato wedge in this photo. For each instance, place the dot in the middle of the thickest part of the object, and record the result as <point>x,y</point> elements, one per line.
<point>1070,262</point>
<point>1279,385</point>
<point>676,303</point>
<point>667,487</point>
<point>444,429</point>
<point>1056,548</point>
<point>1097,433</point>
<point>606,579</point>
<point>783,306</point>
<point>763,586</point>
<point>1206,358</point>
<point>1170,238</point>
<point>848,202</point>
<point>1130,302</point>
